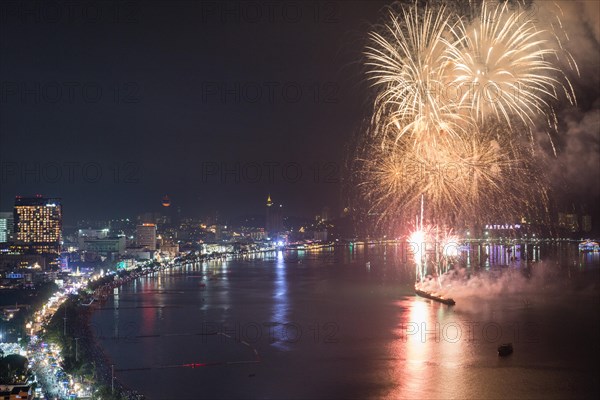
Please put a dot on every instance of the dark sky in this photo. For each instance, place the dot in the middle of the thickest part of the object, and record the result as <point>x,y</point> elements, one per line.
<point>168,95</point>
<point>111,105</point>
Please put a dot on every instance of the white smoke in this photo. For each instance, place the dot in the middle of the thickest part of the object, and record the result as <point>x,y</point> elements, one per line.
<point>578,160</point>
<point>461,283</point>
<point>579,30</point>
<point>577,163</point>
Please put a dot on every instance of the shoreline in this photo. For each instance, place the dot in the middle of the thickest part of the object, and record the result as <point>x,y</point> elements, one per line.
<point>86,360</point>
<point>102,361</point>
<point>98,357</point>
<point>92,363</point>
<point>173,268</point>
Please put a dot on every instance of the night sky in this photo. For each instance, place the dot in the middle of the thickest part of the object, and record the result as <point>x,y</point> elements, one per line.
<point>113,105</point>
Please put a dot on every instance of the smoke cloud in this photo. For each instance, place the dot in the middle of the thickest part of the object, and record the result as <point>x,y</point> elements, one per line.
<point>575,170</point>
<point>541,278</point>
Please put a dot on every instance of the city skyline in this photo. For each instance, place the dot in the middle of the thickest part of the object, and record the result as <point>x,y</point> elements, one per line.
<point>367,199</point>
<point>182,137</point>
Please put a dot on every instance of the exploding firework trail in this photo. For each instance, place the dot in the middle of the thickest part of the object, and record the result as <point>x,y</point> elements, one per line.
<point>505,67</point>
<point>456,102</point>
<point>431,244</point>
<point>409,63</point>
<point>457,181</point>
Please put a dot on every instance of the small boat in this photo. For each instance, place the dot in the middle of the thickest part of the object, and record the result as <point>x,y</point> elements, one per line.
<point>435,297</point>
<point>589,246</point>
<point>12,310</point>
<point>505,349</point>
<point>89,303</point>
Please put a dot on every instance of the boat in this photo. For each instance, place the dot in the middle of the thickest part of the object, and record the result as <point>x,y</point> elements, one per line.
<point>505,349</point>
<point>589,246</point>
<point>432,296</point>
<point>12,310</point>
<point>89,303</point>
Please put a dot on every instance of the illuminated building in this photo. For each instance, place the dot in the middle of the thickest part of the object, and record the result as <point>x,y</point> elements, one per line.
<point>170,248</point>
<point>6,226</point>
<point>103,246</point>
<point>22,261</point>
<point>160,218</point>
<point>586,223</point>
<point>274,218</point>
<point>38,224</point>
<point>146,236</point>
<point>168,213</point>
<point>92,233</point>
<point>568,222</point>
<point>258,234</point>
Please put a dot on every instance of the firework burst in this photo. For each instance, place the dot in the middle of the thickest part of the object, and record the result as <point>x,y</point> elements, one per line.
<point>504,66</point>
<point>453,97</point>
<point>410,63</point>
<point>432,247</point>
<point>461,180</point>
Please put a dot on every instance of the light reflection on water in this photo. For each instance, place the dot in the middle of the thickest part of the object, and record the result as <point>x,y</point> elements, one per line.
<point>280,302</point>
<point>376,352</point>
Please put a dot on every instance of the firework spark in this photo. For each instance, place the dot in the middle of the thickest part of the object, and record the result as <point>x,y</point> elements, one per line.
<point>434,248</point>
<point>462,150</point>
<point>410,65</point>
<point>462,180</point>
<point>503,66</point>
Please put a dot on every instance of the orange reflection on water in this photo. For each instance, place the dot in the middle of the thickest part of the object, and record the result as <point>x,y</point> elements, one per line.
<point>426,352</point>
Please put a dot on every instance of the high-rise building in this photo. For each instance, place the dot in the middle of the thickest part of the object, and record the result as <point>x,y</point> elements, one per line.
<point>568,222</point>
<point>93,233</point>
<point>104,246</point>
<point>274,218</point>
<point>146,236</point>
<point>586,223</point>
<point>6,226</point>
<point>38,224</point>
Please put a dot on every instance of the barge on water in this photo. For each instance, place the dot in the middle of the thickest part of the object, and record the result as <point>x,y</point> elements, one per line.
<point>431,296</point>
<point>505,349</point>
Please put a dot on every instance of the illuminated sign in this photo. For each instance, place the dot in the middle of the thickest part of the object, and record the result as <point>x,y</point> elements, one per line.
<point>503,226</point>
